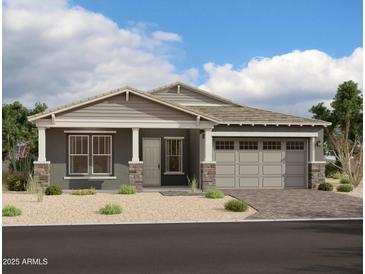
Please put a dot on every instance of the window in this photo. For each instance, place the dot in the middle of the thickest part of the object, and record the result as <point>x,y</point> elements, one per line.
<point>272,145</point>
<point>248,145</point>
<point>96,154</point>
<point>294,145</point>
<point>78,154</point>
<point>224,145</point>
<point>174,155</point>
<point>102,154</point>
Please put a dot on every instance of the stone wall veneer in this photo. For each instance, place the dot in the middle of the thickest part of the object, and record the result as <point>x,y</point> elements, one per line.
<point>316,174</point>
<point>136,175</point>
<point>42,173</point>
<point>208,175</point>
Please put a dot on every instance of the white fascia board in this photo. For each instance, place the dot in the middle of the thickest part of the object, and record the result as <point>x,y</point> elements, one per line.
<point>276,123</point>
<point>263,134</point>
<point>78,123</point>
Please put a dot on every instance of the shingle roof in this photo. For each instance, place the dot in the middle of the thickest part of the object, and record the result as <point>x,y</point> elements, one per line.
<point>247,115</point>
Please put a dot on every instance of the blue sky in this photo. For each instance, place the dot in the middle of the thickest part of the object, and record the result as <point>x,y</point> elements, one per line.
<point>259,53</point>
<point>234,31</point>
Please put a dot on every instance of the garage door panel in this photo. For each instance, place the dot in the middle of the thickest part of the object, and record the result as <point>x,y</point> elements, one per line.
<point>272,156</point>
<point>225,157</point>
<point>298,181</point>
<point>272,181</point>
<point>249,170</point>
<point>295,170</point>
<point>298,156</point>
<point>272,170</point>
<point>225,170</point>
<point>225,181</point>
<point>248,157</point>
<point>249,182</point>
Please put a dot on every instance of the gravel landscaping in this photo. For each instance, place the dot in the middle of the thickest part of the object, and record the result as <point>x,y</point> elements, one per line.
<point>140,207</point>
<point>357,192</point>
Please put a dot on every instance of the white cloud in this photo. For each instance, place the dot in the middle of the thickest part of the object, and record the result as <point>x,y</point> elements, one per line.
<point>289,83</point>
<point>55,53</point>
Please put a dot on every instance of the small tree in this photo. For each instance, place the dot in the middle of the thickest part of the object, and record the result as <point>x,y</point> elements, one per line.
<point>344,136</point>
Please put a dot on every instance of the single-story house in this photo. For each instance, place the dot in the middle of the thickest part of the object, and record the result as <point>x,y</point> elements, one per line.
<point>163,136</point>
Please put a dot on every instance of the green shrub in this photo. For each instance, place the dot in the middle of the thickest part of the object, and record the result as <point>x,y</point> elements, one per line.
<point>345,181</point>
<point>53,190</point>
<point>85,191</point>
<point>16,181</point>
<point>236,205</point>
<point>344,188</point>
<point>337,175</point>
<point>127,189</point>
<point>331,171</point>
<point>214,193</point>
<point>11,211</point>
<point>325,187</point>
<point>110,209</point>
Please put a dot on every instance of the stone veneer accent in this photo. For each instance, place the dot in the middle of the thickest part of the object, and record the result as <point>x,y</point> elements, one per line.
<point>42,173</point>
<point>136,175</point>
<point>316,174</point>
<point>207,175</point>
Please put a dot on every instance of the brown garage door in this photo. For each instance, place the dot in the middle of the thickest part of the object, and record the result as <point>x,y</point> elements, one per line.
<point>260,163</point>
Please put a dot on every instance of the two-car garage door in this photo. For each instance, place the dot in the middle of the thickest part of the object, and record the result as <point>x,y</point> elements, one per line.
<point>260,163</point>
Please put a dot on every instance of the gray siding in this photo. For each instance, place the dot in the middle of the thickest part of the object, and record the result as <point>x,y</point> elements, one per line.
<point>319,149</point>
<point>56,153</point>
<point>194,153</point>
<point>186,97</point>
<point>136,108</point>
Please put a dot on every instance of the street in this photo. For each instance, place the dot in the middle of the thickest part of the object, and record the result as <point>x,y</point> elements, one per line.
<point>262,247</point>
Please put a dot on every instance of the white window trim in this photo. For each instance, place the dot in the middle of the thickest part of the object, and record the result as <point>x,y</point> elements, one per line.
<point>69,154</point>
<point>111,155</point>
<point>286,146</point>
<point>181,156</point>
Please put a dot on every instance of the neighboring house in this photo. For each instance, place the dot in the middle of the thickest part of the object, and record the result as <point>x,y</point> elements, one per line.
<point>163,136</point>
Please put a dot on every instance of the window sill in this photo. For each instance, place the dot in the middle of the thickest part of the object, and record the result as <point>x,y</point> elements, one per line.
<point>90,177</point>
<point>173,173</point>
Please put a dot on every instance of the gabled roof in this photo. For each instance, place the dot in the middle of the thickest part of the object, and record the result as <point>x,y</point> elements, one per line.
<point>115,92</point>
<point>155,91</point>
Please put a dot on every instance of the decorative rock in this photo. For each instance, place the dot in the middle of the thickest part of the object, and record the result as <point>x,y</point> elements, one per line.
<point>316,174</point>
<point>208,175</point>
<point>136,175</point>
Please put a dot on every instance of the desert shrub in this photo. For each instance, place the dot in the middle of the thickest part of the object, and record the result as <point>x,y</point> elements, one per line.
<point>53,190</point>
<point>35,188</point>
<point>11,211</point>
<point>193,183</point>
<point>85,191</point>
<point>16,181</point>
<point>127,189</point>
<point>344,188</point>
<point>110,209</point>
<point>325,187</point>
<point>331,171</point>
<point>213,193</point>
<point>345,181</point>
<point>236,205</point>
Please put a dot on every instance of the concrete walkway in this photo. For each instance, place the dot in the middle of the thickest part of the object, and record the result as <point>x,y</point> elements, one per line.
<point>299,203</point>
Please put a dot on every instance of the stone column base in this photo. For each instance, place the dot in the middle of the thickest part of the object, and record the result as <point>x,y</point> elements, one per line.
<point>42,173</point>
<point>207,175</point>
<point>136,175</point>
<point>316,174</point>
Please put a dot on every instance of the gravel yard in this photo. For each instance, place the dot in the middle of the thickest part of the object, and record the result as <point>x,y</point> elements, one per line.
<point>140,207</point>
<point>357,192</point>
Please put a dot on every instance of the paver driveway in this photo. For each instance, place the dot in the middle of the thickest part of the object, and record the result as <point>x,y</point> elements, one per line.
<point>299,203</point>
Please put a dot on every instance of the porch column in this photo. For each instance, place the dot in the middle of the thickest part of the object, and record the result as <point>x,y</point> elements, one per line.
<point>313,149</point>
<point>41,145</point>
<point>208,167</point>
<point>135,145</point>
<point>135,166</point>
<point>208,145</point>
<point>42,167</point>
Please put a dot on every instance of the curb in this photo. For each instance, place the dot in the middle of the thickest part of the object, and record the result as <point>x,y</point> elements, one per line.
<point>191,222</point>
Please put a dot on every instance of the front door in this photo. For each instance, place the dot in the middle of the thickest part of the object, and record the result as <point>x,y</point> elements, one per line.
<point>151,162</point>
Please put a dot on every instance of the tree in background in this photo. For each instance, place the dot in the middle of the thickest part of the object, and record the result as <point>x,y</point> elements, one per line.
<point>344,137</point>
<point>16,127</point>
